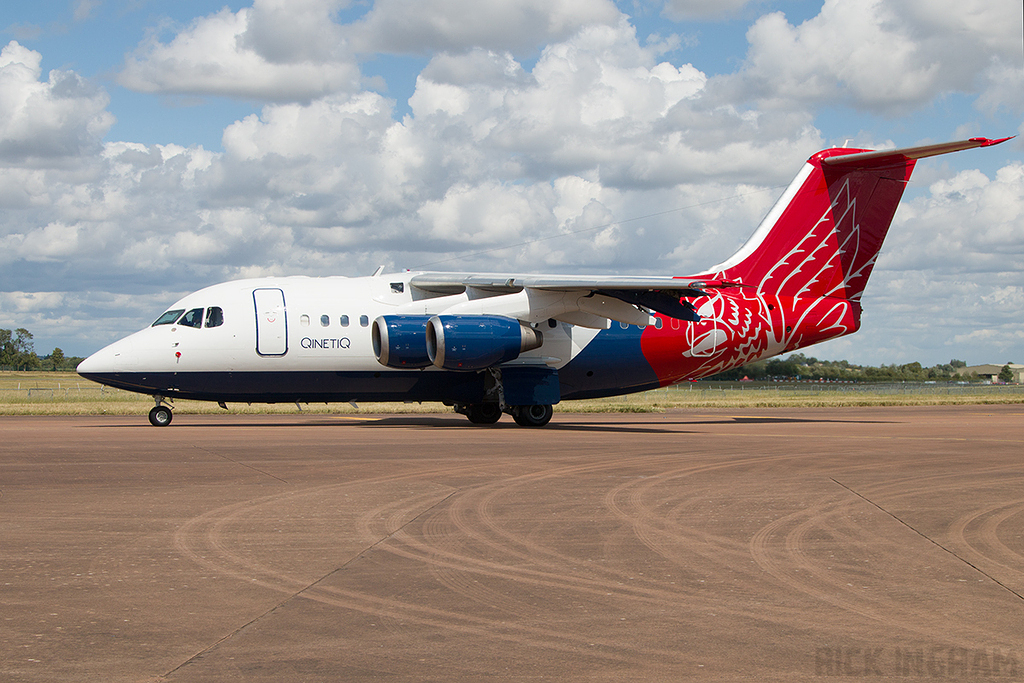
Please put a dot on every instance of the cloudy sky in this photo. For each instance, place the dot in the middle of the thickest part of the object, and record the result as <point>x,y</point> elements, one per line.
<point>148,149</point>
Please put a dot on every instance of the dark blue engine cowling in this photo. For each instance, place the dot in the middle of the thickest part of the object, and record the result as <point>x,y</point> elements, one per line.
<point>476,342</point>
<point>400,341</point>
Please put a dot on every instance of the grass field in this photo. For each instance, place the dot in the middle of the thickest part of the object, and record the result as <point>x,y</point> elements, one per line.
<point>65,393</point>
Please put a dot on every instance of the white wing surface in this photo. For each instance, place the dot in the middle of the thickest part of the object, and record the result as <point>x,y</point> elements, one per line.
<point>588,301</point>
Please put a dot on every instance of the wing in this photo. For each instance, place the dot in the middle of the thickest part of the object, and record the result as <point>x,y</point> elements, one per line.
<point>580,300</point>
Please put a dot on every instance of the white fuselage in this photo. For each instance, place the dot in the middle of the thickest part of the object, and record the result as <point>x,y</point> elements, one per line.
<point>299,327</point>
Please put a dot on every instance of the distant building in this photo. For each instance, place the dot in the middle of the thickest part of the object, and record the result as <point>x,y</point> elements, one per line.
<point>991,372</point>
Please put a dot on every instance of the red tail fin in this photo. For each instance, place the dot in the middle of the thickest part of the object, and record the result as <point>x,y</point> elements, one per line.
<point>824,234</point>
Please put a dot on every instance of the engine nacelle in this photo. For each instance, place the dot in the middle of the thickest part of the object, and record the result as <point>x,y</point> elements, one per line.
<point>476,342</point>
<point>400,341</point>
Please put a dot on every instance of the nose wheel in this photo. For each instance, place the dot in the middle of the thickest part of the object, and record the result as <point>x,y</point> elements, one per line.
<point>160,416</point>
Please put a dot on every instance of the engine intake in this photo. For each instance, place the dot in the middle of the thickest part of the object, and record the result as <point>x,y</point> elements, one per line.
<point>476,342</point>
<point>400,341</point>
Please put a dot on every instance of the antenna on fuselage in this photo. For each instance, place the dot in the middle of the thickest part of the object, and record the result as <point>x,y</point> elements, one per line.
<point>377,273</point>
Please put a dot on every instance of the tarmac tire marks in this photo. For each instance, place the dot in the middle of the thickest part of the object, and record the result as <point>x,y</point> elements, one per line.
<point>207,540</point>
<point>468,539</point>
<point>979,534</point>
<point>786,548</point>
<point>592,551</point>
<point>973,536</point>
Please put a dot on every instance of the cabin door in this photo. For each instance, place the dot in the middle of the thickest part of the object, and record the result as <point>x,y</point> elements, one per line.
<point>271,322</point>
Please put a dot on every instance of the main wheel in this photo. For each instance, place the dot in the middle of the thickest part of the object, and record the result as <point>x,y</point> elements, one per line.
<point>160,416</point>
<point>483,413</point>
<point>532,416</point>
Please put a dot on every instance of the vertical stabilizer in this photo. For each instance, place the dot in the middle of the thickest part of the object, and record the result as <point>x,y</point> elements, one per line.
<point>822,237</point>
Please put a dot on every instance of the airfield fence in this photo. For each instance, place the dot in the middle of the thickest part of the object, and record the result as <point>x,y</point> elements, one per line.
<point>874,388</point>
<point>60,391</point>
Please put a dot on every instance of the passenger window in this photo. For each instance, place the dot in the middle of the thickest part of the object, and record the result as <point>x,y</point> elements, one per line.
<point>304,320</point>
<point>214,316</point>
<point>364,321</point>
<point>397,287</point>
<point>325,320</point>
<point>193,318</point>
<point>658,322</point>
<point>169,318</point>
<point>344,321</point>
<point>624,326</point>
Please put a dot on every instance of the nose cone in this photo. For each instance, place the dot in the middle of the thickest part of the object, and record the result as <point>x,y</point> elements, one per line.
<point>117,358</point>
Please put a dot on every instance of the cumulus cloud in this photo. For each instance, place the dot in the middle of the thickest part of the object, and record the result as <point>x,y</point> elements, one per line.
<point>23,302</point>
<point>490,153</point>
<point>294,31</point>
<point>273,51</point>
<point>886,57</point>
<point>596,103</point>
<point>970,223</point>
<point>423,26</point>
<point>682,10</point>
<point>53,120</point>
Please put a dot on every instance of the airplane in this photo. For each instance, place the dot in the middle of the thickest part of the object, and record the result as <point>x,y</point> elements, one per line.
<point>490,344</point>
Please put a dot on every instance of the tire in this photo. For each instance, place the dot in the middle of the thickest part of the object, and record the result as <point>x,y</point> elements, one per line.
<point>483,413</point>
<point>532,416</point>
<point>160,416</point>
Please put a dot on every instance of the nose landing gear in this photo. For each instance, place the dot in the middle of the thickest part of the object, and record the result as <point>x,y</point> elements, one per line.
<point>160,415</point>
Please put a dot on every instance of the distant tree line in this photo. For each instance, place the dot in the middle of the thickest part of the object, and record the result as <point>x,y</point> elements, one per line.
<point>17,352</point>
<point>798,366</point>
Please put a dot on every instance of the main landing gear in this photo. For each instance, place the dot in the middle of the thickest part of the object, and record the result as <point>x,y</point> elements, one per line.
<point>489,413</point>
<point>483,413</point>
<point>532,416</point>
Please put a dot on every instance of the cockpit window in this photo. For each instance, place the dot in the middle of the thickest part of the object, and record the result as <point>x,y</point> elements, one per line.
<point>214,316</point>
<point>169,318</point>
<point>193,318</point>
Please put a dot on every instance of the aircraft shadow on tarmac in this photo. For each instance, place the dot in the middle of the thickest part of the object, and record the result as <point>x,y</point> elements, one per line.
<point>435,422</point>
<point>617,426</point>
<point>457,422</point>
<point>566,423</point>
<point>769,419</point>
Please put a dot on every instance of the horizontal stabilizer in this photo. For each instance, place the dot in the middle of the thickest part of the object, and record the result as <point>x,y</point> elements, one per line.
<point>899,156</point>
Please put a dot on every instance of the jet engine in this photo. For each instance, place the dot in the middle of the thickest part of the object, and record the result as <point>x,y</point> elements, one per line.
<point>400,341</point>
<point>476,342</point>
